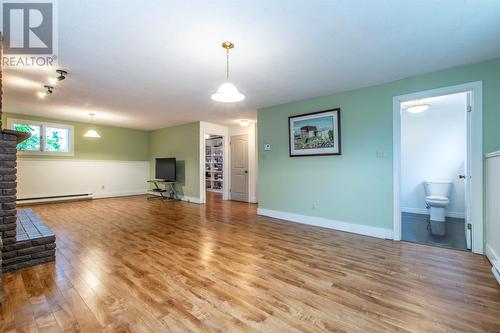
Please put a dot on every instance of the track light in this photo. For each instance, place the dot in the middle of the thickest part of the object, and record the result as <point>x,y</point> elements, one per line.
<point>49,90</point>
<point>62,74</point>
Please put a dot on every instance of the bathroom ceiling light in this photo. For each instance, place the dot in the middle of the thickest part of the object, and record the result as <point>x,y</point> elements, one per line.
<point>244,123</point>
<point>417,108</point>
<point>227,92</point>
<point>91,133</point>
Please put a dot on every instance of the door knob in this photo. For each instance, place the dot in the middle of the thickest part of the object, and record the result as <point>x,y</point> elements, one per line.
<point>461,176</point>
<point>246,171</point>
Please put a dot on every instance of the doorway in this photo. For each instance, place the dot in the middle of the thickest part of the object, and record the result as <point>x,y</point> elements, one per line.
<point>214,168</point>
<point>438,167</point>
<point>239,167</point>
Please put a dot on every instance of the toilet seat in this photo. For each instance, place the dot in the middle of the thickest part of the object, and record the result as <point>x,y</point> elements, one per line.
<point>434,200</point>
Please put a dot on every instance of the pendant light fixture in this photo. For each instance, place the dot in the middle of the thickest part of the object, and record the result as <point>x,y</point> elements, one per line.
<point>227,92</point>
<point>91,133</point>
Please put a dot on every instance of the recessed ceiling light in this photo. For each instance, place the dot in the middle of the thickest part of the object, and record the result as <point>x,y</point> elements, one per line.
<point>417,108</point>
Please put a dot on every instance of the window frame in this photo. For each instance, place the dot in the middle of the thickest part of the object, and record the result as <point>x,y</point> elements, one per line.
<point>43,125</point>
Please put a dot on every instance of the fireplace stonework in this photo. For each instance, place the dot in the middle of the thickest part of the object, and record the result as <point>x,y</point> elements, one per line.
<point>24,239</point>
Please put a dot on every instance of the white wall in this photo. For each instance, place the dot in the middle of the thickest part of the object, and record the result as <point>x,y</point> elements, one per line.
<point>493,210</point>
<point>251,131</point>
<point>433,147</point>
<point>102,178</point>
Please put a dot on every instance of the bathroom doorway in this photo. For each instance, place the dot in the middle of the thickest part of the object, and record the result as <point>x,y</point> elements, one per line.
<point>437,154</point>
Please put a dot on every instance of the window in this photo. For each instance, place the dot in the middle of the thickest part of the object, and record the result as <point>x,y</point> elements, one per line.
<point>46,138</point>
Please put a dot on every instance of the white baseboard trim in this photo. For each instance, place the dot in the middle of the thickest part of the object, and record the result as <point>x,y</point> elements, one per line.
<point>190,199</point>
<point>494,260</point>
<point>182,197</point>
<point>425,211</point>
<point>118,194</point>
<point>327,223</point>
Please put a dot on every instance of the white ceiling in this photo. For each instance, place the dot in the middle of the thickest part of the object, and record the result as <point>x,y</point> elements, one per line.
<point>153,64</point>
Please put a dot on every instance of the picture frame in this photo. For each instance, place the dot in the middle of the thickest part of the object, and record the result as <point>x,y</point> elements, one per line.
<point>315,134</point>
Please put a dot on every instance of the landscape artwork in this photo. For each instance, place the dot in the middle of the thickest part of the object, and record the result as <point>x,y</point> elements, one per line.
<point>315,133</point>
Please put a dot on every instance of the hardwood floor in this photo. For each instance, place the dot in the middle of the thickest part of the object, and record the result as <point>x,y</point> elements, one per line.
<point>132,265</point>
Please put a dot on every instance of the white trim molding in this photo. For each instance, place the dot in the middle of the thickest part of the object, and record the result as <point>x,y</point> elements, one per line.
<point>492,154</point>
<point>186,198</point>
<point>327,223</point>
<point>43,125</point>
<point>423,211</point>
<point>214,129</point>
<point>476,156</point>
<point>495,262</point>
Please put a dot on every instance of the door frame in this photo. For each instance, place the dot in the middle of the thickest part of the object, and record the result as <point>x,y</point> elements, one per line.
<point>476,155</point>
<point>231,165</point>
<point>213,129</point>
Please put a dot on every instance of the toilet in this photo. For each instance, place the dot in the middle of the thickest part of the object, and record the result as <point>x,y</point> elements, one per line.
<point>437,199</point>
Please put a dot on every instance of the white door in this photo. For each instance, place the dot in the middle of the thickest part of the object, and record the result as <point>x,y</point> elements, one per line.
<point>239,168</point>
<point>467,175</point>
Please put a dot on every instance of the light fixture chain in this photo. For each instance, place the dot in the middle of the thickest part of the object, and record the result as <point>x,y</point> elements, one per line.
<point>227,64</point>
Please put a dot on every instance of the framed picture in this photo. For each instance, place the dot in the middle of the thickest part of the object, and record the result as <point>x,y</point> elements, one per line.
<point>315,134</point>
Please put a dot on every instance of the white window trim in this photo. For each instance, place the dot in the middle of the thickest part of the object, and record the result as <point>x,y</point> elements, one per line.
<point>43,125</point>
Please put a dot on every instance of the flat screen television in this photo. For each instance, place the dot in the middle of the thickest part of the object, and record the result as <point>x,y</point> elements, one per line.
<point>165,169</point>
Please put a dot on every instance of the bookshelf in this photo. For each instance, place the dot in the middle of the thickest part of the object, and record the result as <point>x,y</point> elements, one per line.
<point>214,161</point>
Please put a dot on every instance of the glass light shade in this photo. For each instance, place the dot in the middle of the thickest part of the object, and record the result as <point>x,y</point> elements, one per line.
<point>228,93</point>
<point>244,123</point>
<point>419,108</point>
<point>91,134</point>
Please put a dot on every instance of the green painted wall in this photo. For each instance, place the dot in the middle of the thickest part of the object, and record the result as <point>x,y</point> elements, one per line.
<point>183,143</point>
<point>357,186</point>
<point>115,143</point>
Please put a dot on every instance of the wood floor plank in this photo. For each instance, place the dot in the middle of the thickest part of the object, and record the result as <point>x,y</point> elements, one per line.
<point>132,265</point>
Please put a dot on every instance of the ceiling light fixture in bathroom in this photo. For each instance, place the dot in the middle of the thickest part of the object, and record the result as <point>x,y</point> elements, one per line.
<point>92,133</point>
<point>244,123</point>
<point>227,92</point>
<point>417,108</point>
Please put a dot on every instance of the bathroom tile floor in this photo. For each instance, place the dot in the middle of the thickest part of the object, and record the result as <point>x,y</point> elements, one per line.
<point>414,229</point>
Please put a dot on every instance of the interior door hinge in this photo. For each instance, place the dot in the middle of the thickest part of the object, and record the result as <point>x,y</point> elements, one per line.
<point>469,108</point>
<point>469,226</point>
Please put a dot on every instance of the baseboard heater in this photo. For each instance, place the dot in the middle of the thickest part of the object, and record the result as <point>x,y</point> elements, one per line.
<point>55,198</point>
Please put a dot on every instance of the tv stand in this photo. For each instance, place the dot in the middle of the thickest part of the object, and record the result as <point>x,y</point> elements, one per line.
<point>167,192</point>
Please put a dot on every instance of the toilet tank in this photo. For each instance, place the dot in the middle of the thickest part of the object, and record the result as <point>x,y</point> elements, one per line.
<point>438,188</point>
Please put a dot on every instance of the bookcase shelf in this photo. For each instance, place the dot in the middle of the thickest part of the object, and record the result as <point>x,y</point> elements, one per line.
<point>214,159</point>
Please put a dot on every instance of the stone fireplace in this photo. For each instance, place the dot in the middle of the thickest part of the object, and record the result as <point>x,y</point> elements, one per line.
<point>24,239</point>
